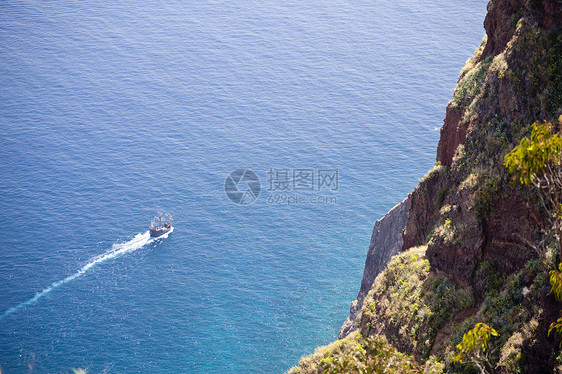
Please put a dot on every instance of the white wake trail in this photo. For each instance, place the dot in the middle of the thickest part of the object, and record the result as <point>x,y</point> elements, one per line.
<point>139,241</point>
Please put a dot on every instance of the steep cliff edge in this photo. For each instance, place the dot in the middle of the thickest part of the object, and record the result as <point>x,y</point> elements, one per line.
<point>514,79</point>
<point>475,245</point>
<point>386,241</point>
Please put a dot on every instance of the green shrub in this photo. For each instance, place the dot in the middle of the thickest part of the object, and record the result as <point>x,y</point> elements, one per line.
<point>474,346</point>
<point>537,161</point>
<point>557,326</point>
<point>556,282</point>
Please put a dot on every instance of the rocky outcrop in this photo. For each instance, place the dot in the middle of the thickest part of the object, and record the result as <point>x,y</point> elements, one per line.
<point>453,133</point>
<point>456,245</point>
<point>497,83</point>
<point>509,83</point>
<point>512,226</point>
<point>423,207</point>
<point>498,31</point>
<point>545,13</point>
<point>386,241</point>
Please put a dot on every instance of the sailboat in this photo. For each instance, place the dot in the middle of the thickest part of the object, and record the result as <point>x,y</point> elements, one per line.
<point>160,224</point>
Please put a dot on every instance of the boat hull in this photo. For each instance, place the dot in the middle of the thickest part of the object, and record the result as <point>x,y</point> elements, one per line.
<point>156,232</point>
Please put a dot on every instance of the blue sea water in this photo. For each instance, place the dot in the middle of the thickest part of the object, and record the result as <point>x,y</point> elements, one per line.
<point>110,111</point>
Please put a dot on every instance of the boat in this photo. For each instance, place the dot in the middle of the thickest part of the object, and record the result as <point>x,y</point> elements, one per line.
<point>160,224</point>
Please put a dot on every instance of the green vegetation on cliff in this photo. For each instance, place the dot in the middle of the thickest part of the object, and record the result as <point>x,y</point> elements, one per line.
<point>410,303</point>
<point>357,354</point>
<point>408,296</point>
<point>413,319</point>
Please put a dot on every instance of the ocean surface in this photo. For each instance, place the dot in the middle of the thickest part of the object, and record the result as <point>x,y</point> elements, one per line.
<point>110,111</point>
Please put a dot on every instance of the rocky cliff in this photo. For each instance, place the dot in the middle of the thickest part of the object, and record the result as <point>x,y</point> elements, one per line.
<point>475,246</point>
<point>386,241</point>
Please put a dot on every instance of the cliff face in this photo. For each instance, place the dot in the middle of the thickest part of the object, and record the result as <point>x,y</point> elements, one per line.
<point>520,34</point>
<point>386,241</point>
<point>513,80</point>
<point>475,247</point>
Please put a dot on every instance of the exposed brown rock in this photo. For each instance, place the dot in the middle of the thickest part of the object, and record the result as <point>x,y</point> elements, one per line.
<point>509,233</point>
<point>502,98</point>
<point>499,33</point>
<point>498,25</point>
<point>511,227</point>
<point>452,134</point>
